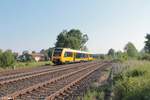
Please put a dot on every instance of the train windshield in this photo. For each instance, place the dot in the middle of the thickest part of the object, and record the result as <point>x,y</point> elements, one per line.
<point>57,52</point>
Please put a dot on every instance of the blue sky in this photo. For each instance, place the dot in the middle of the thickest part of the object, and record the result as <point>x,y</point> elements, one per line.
<point>34,24</point>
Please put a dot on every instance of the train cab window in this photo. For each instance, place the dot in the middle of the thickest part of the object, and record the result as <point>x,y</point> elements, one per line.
<point>57,52</point>
<point>68,54</point>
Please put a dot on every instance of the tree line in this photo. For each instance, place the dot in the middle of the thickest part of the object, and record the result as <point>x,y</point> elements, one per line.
<point>75,39</point>
<point>9,58</point>
<point>130,52</point>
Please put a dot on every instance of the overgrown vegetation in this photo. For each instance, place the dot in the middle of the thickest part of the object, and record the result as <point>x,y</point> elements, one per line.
<point>133,83</point>
<point>7,58</point>
<point>130,84</point>
<point>96,93</point>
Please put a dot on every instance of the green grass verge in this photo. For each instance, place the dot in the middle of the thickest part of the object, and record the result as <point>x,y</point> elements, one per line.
<point>32,64</point>
<point>134,83</point>
<point>94,94</point>
<point>19,65</point>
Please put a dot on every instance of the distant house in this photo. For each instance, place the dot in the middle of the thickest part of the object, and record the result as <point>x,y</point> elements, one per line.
<point>38,57</point>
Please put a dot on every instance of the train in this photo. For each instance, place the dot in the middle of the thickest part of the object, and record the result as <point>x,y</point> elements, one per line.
<point>67,55</point>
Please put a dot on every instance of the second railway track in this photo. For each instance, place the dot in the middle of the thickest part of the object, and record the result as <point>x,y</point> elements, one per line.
<point>28,72</point>
<point>47,85</point>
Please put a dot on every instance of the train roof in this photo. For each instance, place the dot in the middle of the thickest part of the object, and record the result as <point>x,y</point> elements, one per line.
<point>72,50</point>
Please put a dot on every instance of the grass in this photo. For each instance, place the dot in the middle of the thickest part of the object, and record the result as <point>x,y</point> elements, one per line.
<point>133,83</point>
<point>19,65</point>
<point>32,64</point>
<point>94,94</point>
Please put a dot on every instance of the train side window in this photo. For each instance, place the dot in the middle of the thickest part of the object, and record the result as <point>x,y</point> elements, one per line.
<point>78,55</point>
<point>86,55</point>
<point>83,55</point>
<point>90,55</point>
<point>68,54</point>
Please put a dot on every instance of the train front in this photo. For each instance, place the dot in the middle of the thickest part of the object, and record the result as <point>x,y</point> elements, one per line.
<point>56,57</point>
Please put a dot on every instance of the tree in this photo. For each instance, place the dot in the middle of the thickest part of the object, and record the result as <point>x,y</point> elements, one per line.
<point>147,44</point>
<point>28,57</point>
<point>111,52</point>
<point>33,52</point>
<point>25,52</point>
<point>73,39</point>
<point>84,48</point>
<point>131,50</point>
<point>145,56</point>
<point>15,55</point>
<point>25,57</point>
<point>7,59</point>
<point>50,51</point>
<point>1,51</point>
<point>42,51</point>
<point>45,53</point>
<point>121,55</point>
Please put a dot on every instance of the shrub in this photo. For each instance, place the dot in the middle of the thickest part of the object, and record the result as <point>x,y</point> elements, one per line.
<point>145,56</point>
<point>135,73</point>
<point>7,59</point>
<point>134,83</point>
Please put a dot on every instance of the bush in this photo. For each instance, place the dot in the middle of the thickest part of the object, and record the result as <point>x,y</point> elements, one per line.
<point>135,73</point>
<point>134,83</point>
<point>131,50</point>
<point>121,56</point>
<point>25,58</point>
<point>145,56</point>
<point>7,59</point>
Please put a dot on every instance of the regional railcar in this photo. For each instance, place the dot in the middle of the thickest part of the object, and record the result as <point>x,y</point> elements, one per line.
<point>66,55</point>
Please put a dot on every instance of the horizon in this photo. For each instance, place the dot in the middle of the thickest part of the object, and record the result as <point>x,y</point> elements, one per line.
<point>34,25</point>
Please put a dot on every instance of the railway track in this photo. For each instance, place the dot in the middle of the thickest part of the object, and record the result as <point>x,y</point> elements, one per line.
<point>19,72</point>
<point>14,77</point>
<point>46,85</point>
<point>22,70</point>
<point>20,81</point>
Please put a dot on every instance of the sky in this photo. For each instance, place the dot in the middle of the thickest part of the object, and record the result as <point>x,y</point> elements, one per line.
<point>35,24</point>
